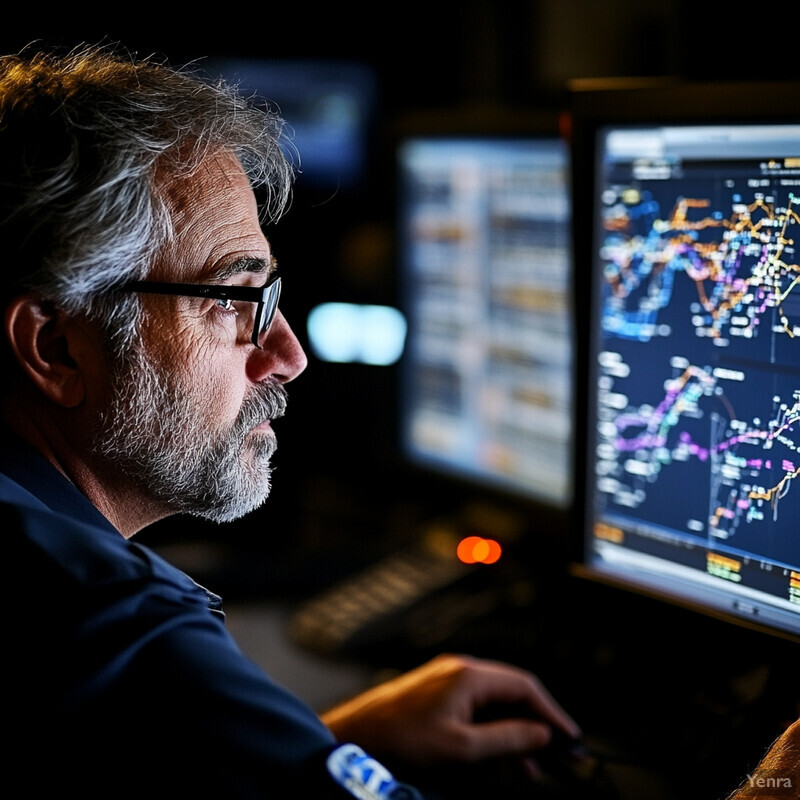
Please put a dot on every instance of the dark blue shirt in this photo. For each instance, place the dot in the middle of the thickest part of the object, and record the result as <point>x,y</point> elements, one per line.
<point>120,676</point>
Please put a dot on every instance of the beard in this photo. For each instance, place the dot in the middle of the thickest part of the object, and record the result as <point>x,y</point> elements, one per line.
<point>160,431</point>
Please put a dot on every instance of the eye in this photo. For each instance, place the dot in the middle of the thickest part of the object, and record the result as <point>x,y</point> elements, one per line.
<point>227,305</point>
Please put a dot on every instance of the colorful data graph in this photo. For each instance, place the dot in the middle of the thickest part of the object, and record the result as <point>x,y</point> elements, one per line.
<point>709,434</point>
<point>755,466</point>
<point>741,263</point>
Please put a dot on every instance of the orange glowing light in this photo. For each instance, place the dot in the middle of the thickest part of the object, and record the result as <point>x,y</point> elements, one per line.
<point>477,550</point>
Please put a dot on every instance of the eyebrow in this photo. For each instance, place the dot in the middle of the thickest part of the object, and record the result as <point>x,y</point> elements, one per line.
<point>254,266</point>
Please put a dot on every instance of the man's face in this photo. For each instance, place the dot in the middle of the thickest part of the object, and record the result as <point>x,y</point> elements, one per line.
<point>189,418</point>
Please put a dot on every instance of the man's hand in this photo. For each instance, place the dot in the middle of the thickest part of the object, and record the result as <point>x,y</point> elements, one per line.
<point>431,715</point>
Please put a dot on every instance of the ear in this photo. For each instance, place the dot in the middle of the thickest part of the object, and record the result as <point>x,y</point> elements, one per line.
<point>43,339</point>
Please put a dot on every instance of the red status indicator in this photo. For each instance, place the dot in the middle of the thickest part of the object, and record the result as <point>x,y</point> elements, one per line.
<point>477,550</point>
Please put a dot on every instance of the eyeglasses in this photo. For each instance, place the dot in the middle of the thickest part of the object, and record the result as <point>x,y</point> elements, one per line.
<point>265,298</point>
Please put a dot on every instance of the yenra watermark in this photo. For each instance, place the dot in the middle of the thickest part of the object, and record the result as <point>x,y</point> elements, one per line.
<point>771,780</point>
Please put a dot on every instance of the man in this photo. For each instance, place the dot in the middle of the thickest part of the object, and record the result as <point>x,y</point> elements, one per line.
<point>145,357</point>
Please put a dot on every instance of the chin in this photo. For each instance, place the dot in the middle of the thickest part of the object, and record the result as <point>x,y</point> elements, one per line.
<point>235,509</point>
<point>261,443</point>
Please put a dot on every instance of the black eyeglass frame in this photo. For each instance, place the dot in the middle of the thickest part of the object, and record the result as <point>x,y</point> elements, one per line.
<point>265,297</point>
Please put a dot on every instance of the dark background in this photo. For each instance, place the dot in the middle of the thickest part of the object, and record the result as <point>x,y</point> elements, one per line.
<point>705,699</point>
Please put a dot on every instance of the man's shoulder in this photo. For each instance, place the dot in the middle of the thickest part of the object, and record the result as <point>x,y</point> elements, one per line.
<point>72,551</point>
<point>36,534</point>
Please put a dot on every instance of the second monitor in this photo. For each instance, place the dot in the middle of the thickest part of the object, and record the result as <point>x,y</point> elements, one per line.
<point>485,273</point>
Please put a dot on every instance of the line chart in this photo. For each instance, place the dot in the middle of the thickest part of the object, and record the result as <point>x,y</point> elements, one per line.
<point>730,454</point>
<point>741,263</point>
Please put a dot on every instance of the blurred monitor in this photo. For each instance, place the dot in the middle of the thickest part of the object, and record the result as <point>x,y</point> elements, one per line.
<point>485,274</point>
<point>329,107</point>
<point>688,229</point>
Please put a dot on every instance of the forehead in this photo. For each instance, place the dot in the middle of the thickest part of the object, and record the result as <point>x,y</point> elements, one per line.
<point>215,221</point>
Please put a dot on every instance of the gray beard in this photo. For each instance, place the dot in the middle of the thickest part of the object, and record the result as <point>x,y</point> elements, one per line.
<point>155,431</point>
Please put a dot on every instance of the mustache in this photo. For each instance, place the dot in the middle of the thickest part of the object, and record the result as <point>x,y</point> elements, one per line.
<point>266,401</point>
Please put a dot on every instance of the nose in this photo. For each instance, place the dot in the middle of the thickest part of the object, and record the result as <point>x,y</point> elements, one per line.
<point>281,358</point>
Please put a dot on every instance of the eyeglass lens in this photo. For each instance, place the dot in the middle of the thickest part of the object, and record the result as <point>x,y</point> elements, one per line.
<point>267,310</point>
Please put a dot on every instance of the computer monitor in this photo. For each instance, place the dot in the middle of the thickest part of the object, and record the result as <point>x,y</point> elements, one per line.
<point>329,107</point>
<point>485,267</point>
<point>688,229</point>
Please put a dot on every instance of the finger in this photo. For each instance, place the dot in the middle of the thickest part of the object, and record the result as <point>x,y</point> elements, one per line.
<point>543,703</point>
<point>508,737</point>
<point>498,684</point>
<point>531,769</point>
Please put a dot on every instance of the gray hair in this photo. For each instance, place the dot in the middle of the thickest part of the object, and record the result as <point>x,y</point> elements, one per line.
<point>84,137</point>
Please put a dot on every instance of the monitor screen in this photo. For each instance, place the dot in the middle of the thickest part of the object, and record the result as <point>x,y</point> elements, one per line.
<point>693,362</point>
<point>485,272</point>
<point>328,106</point>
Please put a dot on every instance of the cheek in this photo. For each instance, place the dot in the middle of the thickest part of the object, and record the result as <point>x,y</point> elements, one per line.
<point>213,387</point>
<point>210,380</point>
